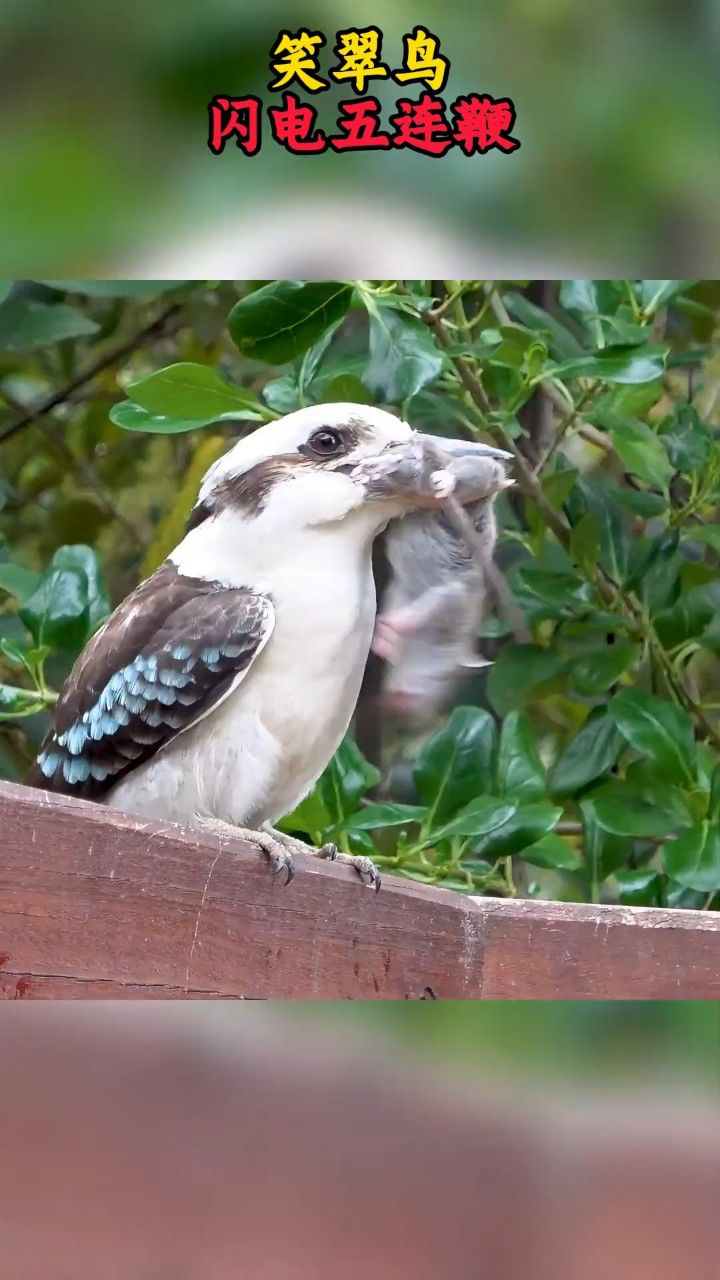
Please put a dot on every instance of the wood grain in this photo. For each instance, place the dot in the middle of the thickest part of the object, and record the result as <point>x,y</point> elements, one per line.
<point>95,903</point>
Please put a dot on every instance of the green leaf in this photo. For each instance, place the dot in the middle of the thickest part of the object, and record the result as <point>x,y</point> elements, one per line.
<point>693,860</point>
<point>15,652</point>
<point>579,296</point>
<point>658,729</point>
<point>620,810</point>
<point>687,439</point>
<point>558,486</point>
<point>282,320</point>
<point>655,565</point>
<point>192,391</point>
<point>455,764</point>
<point>563,589</point>
<point>553,852</point>
<point>708,534</point>
<point>346,386</point>
<point>616,364</point>
<point>679,806</point>
<point>642,453</point>
<point>521,829</point>
<point>385,815</point>
<point>17,581</point>
<point>403,356</point>
<point>638,888</point>
<point>14,701</point>
<point>520,771</point>
<point>641,502</point>
<point>602,852</point>
<point>24,325</point>
<point>714,802</point>
<point>132,417</point>
<point>311,361</point>
<point>685,620</point>
<point>282,394</point>
<point>310,815</point>
<point>346,779</point>
<point>520,670</point>
<point>359,842</point>
<point>614,540</point>
<point>563,344</point>
<point>593,673</point>
<point>655,293</point>
<point>584,544</point>
<point>519,349</point>
<point>480,817</point>
<point>588,755</point>
<point>57,613</point>
<point>682,899</point>
<point>86,560</point>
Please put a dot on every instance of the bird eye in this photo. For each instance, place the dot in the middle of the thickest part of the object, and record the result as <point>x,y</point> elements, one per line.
<point>326,442</point>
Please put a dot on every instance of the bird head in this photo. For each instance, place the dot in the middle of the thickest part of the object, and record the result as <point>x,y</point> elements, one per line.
<point>319,464</point>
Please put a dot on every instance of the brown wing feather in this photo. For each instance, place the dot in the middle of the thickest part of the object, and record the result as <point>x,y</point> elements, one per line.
<point>165,657</point>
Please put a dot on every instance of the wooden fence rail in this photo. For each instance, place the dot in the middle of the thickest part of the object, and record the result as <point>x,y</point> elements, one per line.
<point>98,903</point>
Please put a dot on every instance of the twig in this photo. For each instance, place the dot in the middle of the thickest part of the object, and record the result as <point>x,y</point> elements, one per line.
<point>459,518</point>
<point>85,470</point>
<point>573,416</point>
<point>102,362</point>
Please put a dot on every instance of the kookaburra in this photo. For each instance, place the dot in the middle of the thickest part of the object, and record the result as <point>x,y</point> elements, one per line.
<point>217,692</point>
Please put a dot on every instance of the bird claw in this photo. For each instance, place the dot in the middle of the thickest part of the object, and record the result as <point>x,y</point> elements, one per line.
<point>281,860</point>
<point>365,867</point>
<point>279,857</point>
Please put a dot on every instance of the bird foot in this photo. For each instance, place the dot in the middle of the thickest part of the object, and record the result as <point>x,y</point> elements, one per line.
<point>277,853</point>
<point>365,867</point>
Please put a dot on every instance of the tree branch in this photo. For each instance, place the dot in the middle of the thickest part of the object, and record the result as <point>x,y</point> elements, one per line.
<point>103,362</point>
<point>86,472</point>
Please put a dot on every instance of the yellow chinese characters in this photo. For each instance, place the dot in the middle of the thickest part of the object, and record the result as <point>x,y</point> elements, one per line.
<point>295,57</point>
<point>422,60</point>
<point>359,54</point>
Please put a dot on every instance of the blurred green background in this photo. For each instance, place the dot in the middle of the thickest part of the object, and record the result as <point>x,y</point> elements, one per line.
<point>600,1048</point>
<point>106,169</point>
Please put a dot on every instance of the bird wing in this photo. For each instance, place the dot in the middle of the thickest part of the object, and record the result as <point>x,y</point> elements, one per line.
<point>166,657</point>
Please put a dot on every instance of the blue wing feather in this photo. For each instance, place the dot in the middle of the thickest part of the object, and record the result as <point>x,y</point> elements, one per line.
<point>147,676</point>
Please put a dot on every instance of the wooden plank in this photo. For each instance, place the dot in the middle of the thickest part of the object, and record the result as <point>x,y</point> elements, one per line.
<point>97,903</point>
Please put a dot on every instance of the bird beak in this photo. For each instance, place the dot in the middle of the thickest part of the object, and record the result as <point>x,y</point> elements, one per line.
<point>461,449</point>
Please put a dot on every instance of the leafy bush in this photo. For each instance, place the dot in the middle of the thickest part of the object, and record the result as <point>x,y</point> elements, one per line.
<point>588,766</point>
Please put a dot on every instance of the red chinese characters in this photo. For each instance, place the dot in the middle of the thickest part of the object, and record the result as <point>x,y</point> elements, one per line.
<point>422,125</point>
<point>360,125</point>
<point>292,124</point>
<point>237,118</point>
<point>482,123</point>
